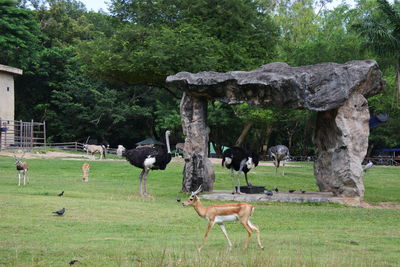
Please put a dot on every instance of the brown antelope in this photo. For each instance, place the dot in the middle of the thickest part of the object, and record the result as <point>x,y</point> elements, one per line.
<point>220,213</point>
<point>85,172</point>
<point>22,169</point>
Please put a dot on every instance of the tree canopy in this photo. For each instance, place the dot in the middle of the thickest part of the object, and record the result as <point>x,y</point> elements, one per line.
<point>103,74</point>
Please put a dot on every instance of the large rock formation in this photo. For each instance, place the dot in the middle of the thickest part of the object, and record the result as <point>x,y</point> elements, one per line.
<point>337,91</point>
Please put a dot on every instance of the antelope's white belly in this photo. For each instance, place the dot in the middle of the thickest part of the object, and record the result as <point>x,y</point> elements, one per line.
<point>228,218</point>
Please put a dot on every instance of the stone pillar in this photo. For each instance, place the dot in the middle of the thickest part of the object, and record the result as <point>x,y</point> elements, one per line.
<point>341,138</point>
<point>198,168</point>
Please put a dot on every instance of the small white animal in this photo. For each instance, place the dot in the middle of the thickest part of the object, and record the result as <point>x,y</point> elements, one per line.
<point>120,150</point>
<point>368,166</point>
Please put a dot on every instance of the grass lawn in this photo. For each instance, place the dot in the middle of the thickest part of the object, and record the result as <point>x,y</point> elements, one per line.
<point>107,224</point>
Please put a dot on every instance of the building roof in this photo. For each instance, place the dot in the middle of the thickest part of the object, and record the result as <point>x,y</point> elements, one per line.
<point>11,70</point>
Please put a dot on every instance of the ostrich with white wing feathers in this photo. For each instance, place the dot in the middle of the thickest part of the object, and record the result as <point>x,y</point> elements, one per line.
<point>149,158</point>
<point>238,159</point>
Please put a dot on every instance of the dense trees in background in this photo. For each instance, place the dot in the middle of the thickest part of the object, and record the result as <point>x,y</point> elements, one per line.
<point>103,75</point>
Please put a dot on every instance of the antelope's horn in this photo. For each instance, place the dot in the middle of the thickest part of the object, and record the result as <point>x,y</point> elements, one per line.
<point>197,191</point>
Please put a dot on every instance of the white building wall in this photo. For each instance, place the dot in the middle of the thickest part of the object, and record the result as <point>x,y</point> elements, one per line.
<point>6,96</point>
<point>7,104</point>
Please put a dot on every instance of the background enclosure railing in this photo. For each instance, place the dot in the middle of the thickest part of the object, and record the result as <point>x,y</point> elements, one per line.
<point>22,135</point>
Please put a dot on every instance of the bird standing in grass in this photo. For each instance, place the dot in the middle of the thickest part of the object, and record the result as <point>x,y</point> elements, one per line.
<point>73,262</point>
<point>149,158</point>
<point>59,212</point>
<point>368,166</point>
<point>291,191</point>
<point>238,159</point>
<point>61,194</point>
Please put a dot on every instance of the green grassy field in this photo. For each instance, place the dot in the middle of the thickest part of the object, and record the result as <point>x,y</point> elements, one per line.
<point>107,224</point>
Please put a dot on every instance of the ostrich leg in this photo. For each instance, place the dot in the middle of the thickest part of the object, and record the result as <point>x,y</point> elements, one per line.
<point>140,182</point>
<point>247,181</point>
<point>233,182</point>
<point>145,183</point>
<point>238,186</point>
<point>240,173</point>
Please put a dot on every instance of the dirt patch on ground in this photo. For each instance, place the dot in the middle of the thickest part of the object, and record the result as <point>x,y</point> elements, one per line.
<point>382,205</point>
<point>48,155</point>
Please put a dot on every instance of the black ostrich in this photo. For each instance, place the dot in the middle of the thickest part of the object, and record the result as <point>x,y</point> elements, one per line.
<point>279,153</point>
<point>149,158</point>
<point>238,159</point>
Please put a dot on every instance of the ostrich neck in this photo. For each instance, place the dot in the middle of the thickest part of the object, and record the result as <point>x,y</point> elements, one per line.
<point>167,141</point>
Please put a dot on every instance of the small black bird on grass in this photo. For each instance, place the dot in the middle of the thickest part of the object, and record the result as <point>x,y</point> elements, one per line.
<point>73,262</point>
<point>178,199</point>
<point>59,212</point>
<point>276,190</point>
<point>302,191</point>
<point>291,191</point>
<point>61,194</point>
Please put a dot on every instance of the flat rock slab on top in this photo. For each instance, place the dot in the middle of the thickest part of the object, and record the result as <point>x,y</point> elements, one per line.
<point>318,87</point>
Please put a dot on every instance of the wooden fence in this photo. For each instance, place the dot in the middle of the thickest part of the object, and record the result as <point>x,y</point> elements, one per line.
<point>22,135</point>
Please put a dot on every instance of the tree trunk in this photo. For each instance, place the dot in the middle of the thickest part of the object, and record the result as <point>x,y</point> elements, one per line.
<point>268,132</point>
<point>397,86</point>
<point>198,169</point>
<point>244,134</point>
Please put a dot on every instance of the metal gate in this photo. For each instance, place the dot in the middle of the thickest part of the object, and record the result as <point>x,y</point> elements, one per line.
<point>20,134</point>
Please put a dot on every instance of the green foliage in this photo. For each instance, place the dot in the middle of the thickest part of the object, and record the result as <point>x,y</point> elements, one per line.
<point>92,73</point>
<point>224,125</point>
<point>381,30</point>
<point>19,35</point>
<point>138,55</point>
<point>156,39</point>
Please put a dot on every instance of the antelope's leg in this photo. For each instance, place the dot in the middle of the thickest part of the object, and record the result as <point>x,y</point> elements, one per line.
<point>249,231</point>
<point>24,173</point>
<point>19,179</point>
<point>255,227</point>
<point>209,227</point>
<point>222,226</point>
